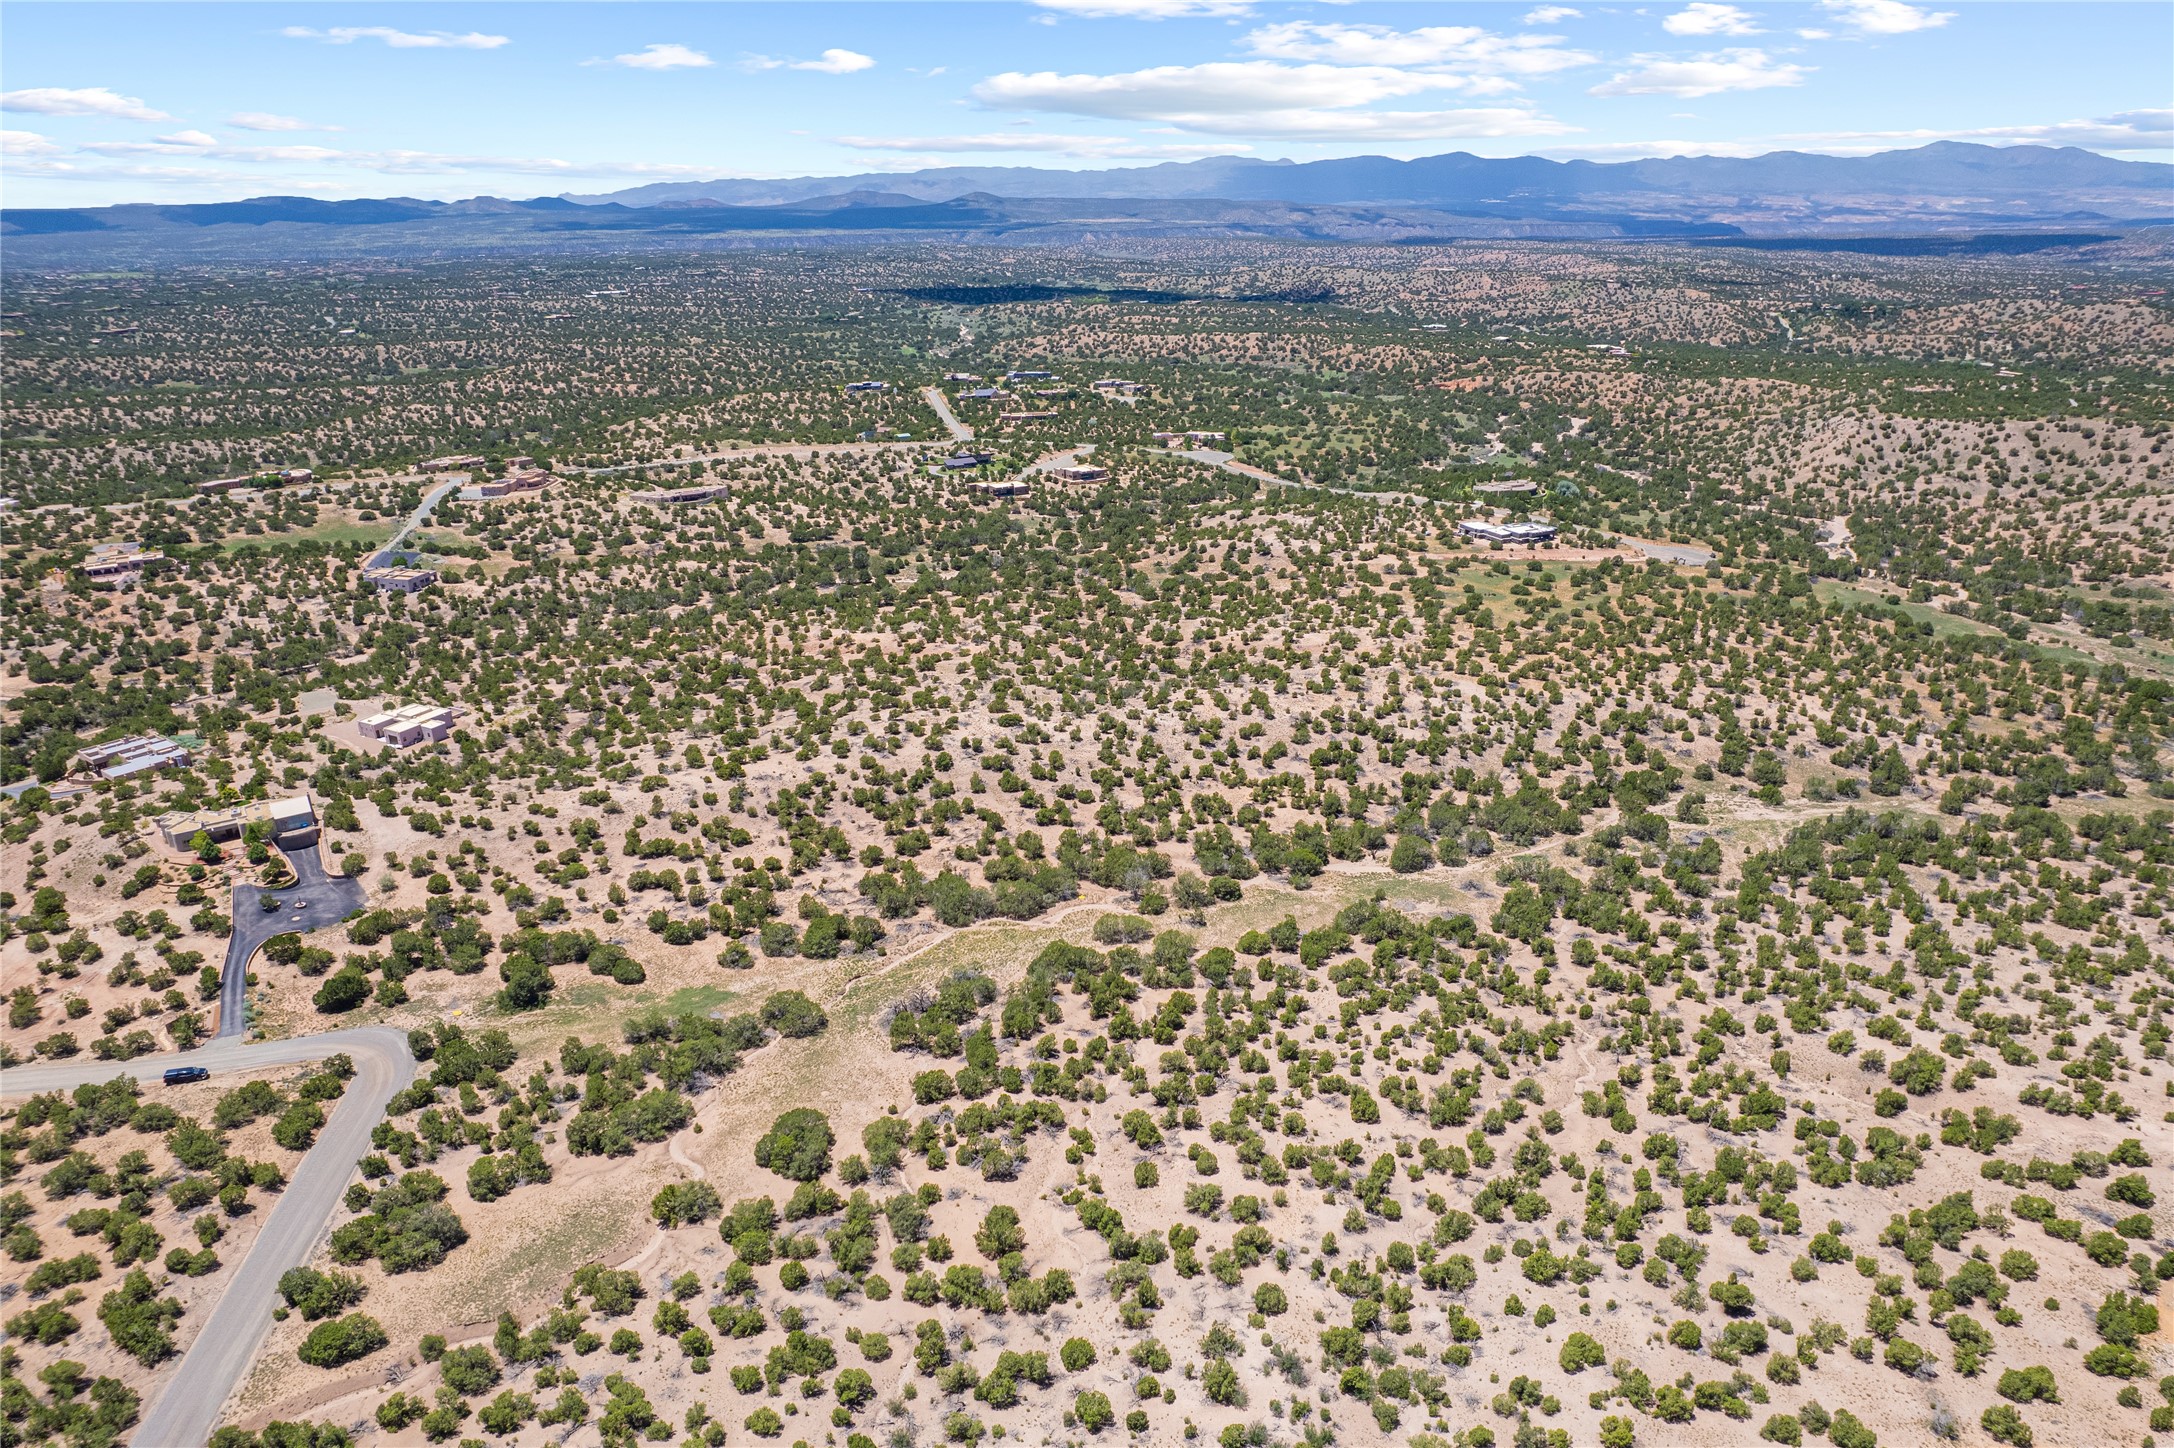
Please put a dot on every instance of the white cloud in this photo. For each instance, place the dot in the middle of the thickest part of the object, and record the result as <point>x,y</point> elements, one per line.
<point>319,172</point>
<point>1649,150</point>
<point>1148,9</point>
<point>663,55</point>
<point>398,39</point>
<point>1886,17</point>
<point>1091,147</point>
<point>2143,132</point>
<point>1690,77</point>
<point>90,101</point>
<point>1218,88</point>
<point>22,144</point>
<point>1552,15</point>
<point>1465,46</point>
<point>1704,17</point>
<point>835,62</point>
<point>831,62</point>
<point>266,121</point>
<point>196,143</point>
<point>2146,131</point>
<point>1259,98</point>
<point>1811,33</point>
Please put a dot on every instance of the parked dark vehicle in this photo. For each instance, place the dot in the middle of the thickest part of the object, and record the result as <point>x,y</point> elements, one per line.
<point>183,1075</point>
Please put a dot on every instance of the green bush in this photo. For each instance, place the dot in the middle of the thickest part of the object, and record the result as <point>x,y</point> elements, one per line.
<point>1094,1410</point>
<point>1581,1351</point>
<point>792,1013</point>
<point>341,1340</point>
<point>797,1146</point>
<point>317,1294</point>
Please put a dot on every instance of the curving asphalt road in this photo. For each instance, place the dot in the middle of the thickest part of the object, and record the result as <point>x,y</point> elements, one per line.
<point>416,519</point>
<point>324,899</point>
<point>959,431</point>
<point>1229,463</point>
<point>188,1410</point>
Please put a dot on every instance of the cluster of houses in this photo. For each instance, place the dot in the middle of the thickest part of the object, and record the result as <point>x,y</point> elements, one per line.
<point>409,725</point>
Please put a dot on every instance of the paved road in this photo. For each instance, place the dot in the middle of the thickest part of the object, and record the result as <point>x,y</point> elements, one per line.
<point>1667,552</point>
<point>416,520</point>
<point>325,900</point>
<point>189,1409</point>
<point>770,450</point>
<point>1229,464</point>
<point>960,432</point>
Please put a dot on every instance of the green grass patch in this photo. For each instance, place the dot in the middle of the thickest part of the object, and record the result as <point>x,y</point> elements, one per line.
<point>1828,591</point>
<point>368,534</point>
<point>698,1000</point>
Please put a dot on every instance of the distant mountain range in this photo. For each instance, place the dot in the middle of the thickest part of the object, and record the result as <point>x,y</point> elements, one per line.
<point>2037,177</point>
<point>1945,189</point>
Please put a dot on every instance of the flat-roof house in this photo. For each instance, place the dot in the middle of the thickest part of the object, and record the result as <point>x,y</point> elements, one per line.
<point>523,480</point>
<point>450,464</point>
<point>958,461</point>
<point>400,579</point>
<point>410,724</point>
<point>1207,437</point>
<point>1080,473</point>
<point>1001,488</point>
<point>223,485</point>
<point>699,493</point>
<point>293,821</point>
<point>118,758</point>
<point>982,394</point>
<point>1527,533</point>
<point>118,565</point>
<point>868,387</point>
<point>961,377</point>
<point>1025,374</point>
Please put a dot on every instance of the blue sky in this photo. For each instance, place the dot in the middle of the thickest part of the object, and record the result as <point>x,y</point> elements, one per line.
<point>188,102</point>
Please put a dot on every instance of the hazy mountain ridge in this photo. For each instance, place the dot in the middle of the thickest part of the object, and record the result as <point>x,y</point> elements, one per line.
<point>1943,167</point>
<point>1944,189</point>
